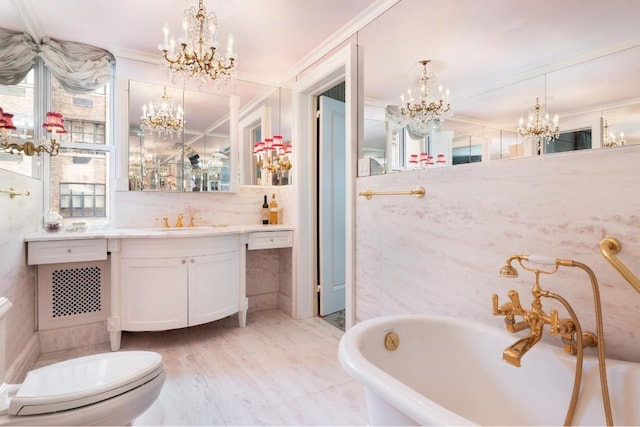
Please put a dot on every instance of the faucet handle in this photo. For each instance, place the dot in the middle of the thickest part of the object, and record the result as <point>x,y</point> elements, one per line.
<point>496,310</point>
<point>505,310</point>
<point>191,223</point>
<point>165,221</point>
<point>515,301</point>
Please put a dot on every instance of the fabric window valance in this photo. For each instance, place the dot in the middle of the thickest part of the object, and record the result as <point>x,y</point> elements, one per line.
<point>79,68</point>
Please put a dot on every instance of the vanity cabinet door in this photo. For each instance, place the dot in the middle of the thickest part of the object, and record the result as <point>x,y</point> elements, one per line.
<point>154,296</point>
<point>214,285</point>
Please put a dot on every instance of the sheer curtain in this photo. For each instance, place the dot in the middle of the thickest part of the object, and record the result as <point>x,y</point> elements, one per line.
<point>78,67</point>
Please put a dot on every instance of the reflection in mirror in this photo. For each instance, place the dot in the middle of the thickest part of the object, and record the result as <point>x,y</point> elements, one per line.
<point>588,87</point>
<point>265,141</point>
<point>186,147</point>
<point>18,100</point>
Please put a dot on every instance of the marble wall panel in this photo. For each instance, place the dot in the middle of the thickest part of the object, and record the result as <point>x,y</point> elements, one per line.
<point>442,254</point>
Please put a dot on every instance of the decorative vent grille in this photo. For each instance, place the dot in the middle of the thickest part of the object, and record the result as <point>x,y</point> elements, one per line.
<point>73,294</point>
<point>76,291</point>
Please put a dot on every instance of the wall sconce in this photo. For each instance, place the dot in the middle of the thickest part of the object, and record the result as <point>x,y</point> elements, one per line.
<point>53,124</point>
<point>273,163</point>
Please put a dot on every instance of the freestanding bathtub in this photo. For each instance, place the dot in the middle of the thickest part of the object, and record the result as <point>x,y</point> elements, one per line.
<point>448,371</point>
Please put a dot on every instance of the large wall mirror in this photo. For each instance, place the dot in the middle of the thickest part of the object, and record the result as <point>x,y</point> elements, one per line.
<point>203,146</point>
<point>496,65</point>
<point>179,140</point>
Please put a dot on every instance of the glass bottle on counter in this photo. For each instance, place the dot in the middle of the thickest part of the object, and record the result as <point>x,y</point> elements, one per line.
<point>273,210</point>
<point>265,211</point>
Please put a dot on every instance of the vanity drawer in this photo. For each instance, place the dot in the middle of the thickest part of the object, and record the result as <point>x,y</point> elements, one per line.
<point>270,239</point>
<point>60,251</point>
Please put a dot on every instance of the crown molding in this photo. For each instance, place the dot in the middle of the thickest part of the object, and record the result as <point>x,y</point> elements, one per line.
<point>351,28</point>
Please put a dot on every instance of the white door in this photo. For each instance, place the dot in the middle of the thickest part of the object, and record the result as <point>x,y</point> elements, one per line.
<point>331,206</point>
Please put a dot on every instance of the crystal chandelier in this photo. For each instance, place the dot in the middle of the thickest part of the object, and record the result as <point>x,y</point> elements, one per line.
<point>162,117</point>
<point>609,139</point>
<point>428,101</point>
<point>196,55</point>
<point>538,127</point>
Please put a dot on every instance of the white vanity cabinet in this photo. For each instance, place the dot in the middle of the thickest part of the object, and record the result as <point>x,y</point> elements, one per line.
<point>151,280</point>
<point>179,282</point>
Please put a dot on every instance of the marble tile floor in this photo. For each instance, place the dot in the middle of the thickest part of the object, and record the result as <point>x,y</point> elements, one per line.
<point>275,371</point>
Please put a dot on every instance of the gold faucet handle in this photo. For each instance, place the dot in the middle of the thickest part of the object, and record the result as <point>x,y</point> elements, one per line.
<point>165,221</point>
<point>515,302</point>
<point>191,223</point>
<point>496,310</point>
<point>505,309</point>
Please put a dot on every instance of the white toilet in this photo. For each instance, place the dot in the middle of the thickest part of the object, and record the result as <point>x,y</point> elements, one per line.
<point>102,389</point>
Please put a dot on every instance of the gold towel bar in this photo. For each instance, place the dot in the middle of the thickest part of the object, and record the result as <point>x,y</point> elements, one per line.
<point>13,193</point>
<point>609,247</point>
<point>417,192</point>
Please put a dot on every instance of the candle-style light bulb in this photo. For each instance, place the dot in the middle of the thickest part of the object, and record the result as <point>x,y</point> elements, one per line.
<point>165,31</point>
<point>230,46</point>
<point>185,27</point>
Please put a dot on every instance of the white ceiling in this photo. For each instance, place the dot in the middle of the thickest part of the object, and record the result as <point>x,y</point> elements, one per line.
<point>496,56</point>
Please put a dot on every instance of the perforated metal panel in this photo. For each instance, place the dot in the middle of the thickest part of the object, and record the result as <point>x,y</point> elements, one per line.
<point>73,294</point>
<point>75,291</point>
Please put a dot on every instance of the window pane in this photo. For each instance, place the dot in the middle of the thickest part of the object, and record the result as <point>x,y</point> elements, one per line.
<point>85,116</point>
<point>78,182</point>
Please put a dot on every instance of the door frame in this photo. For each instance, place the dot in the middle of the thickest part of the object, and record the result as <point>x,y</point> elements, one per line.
<point>342,66</point>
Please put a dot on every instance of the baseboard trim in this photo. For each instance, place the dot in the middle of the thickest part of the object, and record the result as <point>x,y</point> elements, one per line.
<point>22,364</point>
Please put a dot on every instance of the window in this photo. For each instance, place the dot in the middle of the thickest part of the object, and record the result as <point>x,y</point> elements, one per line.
<point>82,200</point>
<point>85,131</point>
<point>79,174</point>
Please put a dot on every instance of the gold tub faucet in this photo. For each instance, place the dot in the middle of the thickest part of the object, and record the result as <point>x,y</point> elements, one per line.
<point>573,339</point>
<point>536,318</point>
<point>179,220</point>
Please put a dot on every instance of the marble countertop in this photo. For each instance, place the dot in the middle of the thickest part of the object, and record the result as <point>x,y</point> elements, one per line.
<point>158,232</point>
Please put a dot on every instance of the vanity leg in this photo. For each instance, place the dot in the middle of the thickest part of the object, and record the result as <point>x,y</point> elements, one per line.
<point>242,318</point>
<point>114,337</point>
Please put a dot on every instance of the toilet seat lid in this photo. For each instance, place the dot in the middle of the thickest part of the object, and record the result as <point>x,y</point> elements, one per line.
<point>83,381</point>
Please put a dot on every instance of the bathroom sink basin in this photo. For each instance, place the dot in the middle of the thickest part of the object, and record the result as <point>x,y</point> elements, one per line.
<point>198,228</point>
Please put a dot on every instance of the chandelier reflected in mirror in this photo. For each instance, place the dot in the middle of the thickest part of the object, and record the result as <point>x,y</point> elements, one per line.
<point>539,127</point>
<point>427,102</point>
<point>195,55</point>
<point>163,117</point>
<point>609,139</point>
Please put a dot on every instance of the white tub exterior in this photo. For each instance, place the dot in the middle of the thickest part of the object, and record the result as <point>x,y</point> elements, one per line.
<point>449,371</point>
